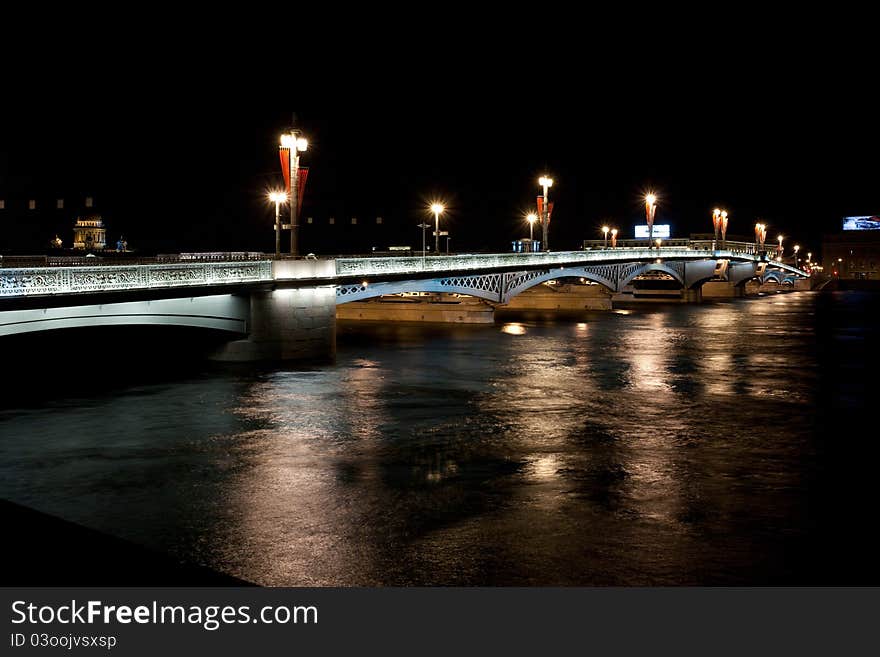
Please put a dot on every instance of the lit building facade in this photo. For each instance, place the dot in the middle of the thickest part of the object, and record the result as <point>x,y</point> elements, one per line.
<point>853,255</point>
<point>89,233</point>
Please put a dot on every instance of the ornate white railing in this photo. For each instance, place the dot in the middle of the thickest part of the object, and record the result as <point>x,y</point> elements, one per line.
<point>33,281</point>
<point>77,280</point>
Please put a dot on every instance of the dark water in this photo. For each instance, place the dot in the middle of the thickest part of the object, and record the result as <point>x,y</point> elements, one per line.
<point>716,444</point>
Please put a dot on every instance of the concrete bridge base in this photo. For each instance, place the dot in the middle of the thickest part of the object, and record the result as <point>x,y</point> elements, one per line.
<point>287,324</point>
<point>657,296</point>
<point>722,290</point>
<point>441,308</point>
<point>566,298</point>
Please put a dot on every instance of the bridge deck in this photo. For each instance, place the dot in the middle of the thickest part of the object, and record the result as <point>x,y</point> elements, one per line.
<point>169,273</point>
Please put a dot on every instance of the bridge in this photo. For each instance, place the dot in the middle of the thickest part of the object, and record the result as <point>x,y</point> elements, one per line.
<point>286,308</point>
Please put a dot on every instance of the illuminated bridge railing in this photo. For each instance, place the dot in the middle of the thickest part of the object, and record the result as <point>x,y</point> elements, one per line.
<point>36,281</point>
<point>465,262</point>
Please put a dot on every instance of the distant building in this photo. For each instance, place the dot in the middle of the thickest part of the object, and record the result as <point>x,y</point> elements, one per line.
<point>89,233</point>
<point>854,253</point>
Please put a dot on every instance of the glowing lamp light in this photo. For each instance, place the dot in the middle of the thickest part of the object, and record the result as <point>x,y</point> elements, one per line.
<point>437,208</point>
<point>277,197</point>
<point>288,141</point>
<point>545,181</point>
<point>531,218</point>
<point>302,144</point>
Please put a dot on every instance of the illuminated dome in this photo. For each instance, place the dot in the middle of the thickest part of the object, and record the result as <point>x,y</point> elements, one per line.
<point>89,233</point>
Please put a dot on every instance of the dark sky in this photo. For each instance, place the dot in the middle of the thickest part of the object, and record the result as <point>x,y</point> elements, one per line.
<point>192,177</point>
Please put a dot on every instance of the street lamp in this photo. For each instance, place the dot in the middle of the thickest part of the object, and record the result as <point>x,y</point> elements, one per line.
<point>716,224</point>
<point>545,182</point>
<point>277,198</point>
<point>424,226</point>
<point>531,217</point>
<point>760,237</point>
<point>292,144</point>
<point>613,238</point>
<point>605,232</point>
<point>437,209</point>
<point>780,250</point>
<point>796,249</point>
<point>658,241</point>
<point>650,211</point>
<point>723,228</point>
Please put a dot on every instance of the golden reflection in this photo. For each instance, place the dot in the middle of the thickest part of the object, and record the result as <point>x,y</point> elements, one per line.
<point>544,467</point>
<point>514,328</point>
<point>647,352</point>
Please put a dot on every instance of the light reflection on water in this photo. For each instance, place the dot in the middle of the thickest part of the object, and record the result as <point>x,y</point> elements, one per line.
<point>670,445</point>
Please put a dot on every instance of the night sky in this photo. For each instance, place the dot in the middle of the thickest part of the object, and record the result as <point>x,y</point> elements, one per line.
<point>193,177</point>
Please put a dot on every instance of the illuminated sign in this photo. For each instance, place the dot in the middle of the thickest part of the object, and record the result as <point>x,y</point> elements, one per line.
<point>861,223</point>
<point>660,230</point>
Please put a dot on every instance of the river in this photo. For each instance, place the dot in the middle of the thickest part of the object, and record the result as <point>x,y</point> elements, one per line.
<point>720,443</point>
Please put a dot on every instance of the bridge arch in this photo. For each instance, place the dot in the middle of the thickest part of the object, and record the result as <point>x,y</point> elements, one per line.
<point>486,287</point>
<point>675,270</point>
<point>773,274</point>
<point>229,313</point>
<point>523,281</point>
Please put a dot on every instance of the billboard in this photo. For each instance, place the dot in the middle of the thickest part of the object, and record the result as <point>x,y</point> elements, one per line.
<point>660,230</point>
<point>868,222</point>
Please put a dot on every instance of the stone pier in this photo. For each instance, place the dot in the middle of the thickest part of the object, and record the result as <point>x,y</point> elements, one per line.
<point>439,308</point>
<point>722,290</point>
<point>566,298</point>
<point>289,322</point>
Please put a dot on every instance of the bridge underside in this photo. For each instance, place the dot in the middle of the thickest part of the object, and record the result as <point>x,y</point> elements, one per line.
<point>226,312</point>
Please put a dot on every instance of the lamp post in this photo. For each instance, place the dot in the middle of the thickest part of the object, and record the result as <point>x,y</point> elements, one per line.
<point>292,144</point>
<point>657,242</point>
<point>613,238</point>
<point>424,226</point>
<point>277,198</point>
<point>437,209</point>
<point>723,228</point>
<point>796,249</point>
<point>809,257</point>
<point>531,218</point>
<point>760,237</point>
<point>605,232</point>
<point>716,224</point>
<point>650,211</point>
<point>546,182</point>
<point>779,251</point>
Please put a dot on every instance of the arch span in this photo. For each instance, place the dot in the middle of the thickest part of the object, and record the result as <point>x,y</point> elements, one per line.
<point>773,274</point>
<point>486,287</point>
<point>519,283</point>
<point>676,270</point>
<point>224,312</point>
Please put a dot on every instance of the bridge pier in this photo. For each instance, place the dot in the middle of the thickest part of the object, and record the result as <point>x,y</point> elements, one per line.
<point>287,324</point>
<point>635,295</point>
<point>692,295</point>
<point>722,290</point>
<point>565,298</point>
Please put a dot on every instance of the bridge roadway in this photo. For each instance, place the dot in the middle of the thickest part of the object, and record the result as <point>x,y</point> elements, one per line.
<point>285,308</point>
